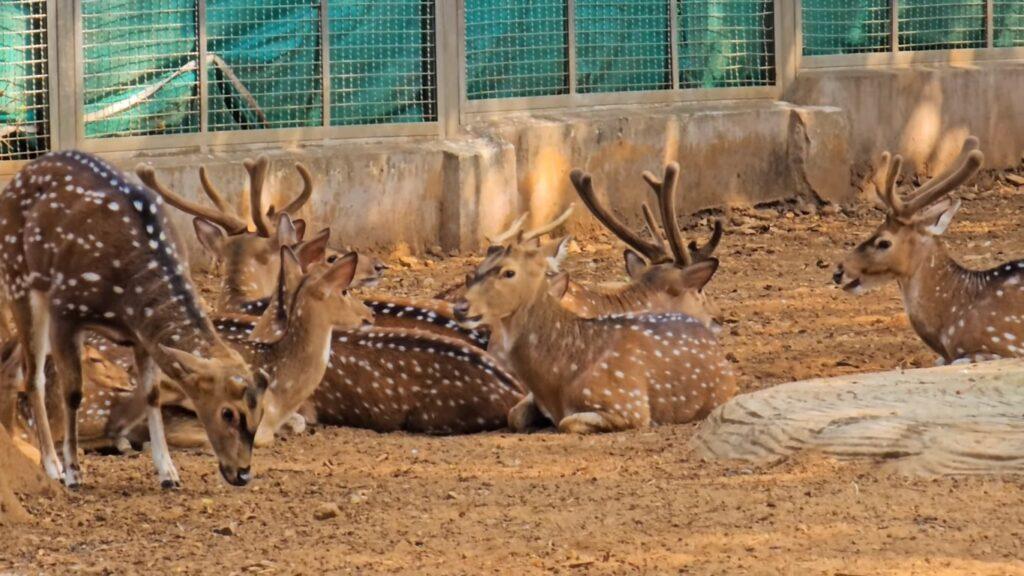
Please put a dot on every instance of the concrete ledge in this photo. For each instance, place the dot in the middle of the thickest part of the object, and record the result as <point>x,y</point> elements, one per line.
<point>923,112</point>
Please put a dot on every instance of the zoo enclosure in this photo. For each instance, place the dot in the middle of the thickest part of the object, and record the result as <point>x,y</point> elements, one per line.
<point>106,75</point>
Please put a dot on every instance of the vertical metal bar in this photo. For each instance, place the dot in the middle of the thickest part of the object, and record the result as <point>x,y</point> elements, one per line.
<point>460,61</point>
<point>325,59</point>
<point>53,75</point>
<point>673,37</point>
<point>787,41</point>
<point>446,38</point>
<point>894,25</point>
<point>77,76</point>
<point>570,23</point>
<point>990,22</point>
<point>204,88</point>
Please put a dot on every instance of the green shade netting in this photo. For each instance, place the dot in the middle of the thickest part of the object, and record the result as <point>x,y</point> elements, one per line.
<point>24,105</point>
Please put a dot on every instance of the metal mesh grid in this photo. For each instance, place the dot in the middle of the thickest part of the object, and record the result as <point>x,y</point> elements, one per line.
<point>1008,23</point>
<point>941,24</point>
<point>264,67</point>
<point>726,43</point>
<point>140,63</point>
<point>622,46</point>
<point>846,27</point>
<point>383,61</point>
<point>24,101</point>
<point>516,48</point>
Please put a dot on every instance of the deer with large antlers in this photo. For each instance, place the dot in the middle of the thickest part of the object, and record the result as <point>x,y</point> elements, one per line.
<point>961,314</point>
<point>608,373</point>
<point>87,249</point>
<point>667,275</point>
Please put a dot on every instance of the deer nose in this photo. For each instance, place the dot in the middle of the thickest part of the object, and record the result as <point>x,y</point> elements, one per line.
<point>380,267</point>
<point>837,276</point>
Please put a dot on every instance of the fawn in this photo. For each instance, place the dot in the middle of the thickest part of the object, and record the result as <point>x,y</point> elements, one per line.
<point>608,373</point>
<point>961,314</point>
<point>87,249</point>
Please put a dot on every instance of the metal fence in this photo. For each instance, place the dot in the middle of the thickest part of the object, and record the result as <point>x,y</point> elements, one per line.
<point>142,74</point>
<point>834,29</point>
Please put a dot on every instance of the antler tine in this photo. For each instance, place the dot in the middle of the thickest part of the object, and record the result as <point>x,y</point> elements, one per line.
<point>257,177</point>
<point>211,191</point>
<point>970,144</point>
<point>511,232</point>
<point>547,228</point>
<point>704,252</point>
<point>584,185</point>
<point>968,168</point>
<point>889,189</point>
<point>229,222</point>
<point>307,190</point>
<point>666,192</point>
<point>652,224</point>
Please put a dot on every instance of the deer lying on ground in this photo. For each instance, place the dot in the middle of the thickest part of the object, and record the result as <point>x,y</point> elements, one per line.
<point>248,260</point>
<point>602,374</point>
<point>961,314</point>
<point>87,249</point>
<point>666,275</point>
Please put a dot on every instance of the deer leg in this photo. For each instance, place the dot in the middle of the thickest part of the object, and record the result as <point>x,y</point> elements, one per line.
<point>526,416</point>
<point>35,341</point>
<point>67,361</point>
<point>593,422</point>
<point>148,382</point>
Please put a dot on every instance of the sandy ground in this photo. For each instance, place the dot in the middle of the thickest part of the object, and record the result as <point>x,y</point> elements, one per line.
<point>624,503</point>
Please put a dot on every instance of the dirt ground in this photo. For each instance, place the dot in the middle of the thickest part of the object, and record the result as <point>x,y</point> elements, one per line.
<point>623,503</point>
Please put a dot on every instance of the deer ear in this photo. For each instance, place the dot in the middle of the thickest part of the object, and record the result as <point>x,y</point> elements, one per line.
<point>937,218</point>
<point>635,263</point>
<point>696,276</point>
<point>558,285</point>
<point>190,363</point>
<point>300,229</point>
<point>314,250</point>
<point>340,274</point>
<point>286,231</point>
<point>556,253</point>
<point>271,326</point>
<point>210,236</point>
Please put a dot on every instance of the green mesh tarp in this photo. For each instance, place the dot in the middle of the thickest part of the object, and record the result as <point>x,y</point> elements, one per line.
<point>24,106</point>
<point>832,27</point>
<point>518,48</point>
<point>263,60</point>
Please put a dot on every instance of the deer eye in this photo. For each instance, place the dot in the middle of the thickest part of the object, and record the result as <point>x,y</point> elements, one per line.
<point>228,415</point>
<point>883,244</point>
<point>508,274</point>
<point>331,259</point>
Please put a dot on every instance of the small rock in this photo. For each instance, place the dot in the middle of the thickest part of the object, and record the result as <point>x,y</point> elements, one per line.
<point>453,253</point>
<point>435,250</point>
<point>409,261</point>
<point>1015,179</point>
<point>829,210</point>
<point>227,530</point>
<point>326,511</point>
<point>357,498</point>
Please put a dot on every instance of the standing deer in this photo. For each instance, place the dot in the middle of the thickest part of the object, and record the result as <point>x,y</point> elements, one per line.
<point>608,373</point>
<point>961,314</point>
<point>87,249</point>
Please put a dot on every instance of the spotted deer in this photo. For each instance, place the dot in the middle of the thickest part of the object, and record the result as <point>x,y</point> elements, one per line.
<point>248,260</point>
<point>608,373</point>
<point>87,249</point>
<point>666,274</point>
<point>961,314</point>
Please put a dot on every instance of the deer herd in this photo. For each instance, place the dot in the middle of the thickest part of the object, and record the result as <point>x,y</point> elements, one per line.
<point>114,345</point>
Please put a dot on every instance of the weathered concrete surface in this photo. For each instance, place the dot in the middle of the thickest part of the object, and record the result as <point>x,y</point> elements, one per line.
<point>948,420</point>
<point>730,153</point>
<point>923,112</point>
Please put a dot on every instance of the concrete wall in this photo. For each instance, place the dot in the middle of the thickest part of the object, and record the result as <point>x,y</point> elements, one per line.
<point>816,144</point>
<point>924,112</point>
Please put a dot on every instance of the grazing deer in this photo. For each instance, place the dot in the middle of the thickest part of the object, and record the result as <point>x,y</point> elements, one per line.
<point>85,249</point>
<point>601,374</point>
<point>961,314</point>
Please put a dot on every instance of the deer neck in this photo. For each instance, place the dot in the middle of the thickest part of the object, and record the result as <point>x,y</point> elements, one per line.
<point>233,292</point>
<point>933,290</point>
<point>296,364</point>
<point>173,316</point>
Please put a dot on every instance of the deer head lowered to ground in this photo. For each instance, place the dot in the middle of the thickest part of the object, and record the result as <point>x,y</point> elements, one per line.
<point>87,249</point>
<point>961,314</point>
<point>607,373</point>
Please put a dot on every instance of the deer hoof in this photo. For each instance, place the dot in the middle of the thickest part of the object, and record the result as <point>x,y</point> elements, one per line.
<point>170,484</point>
